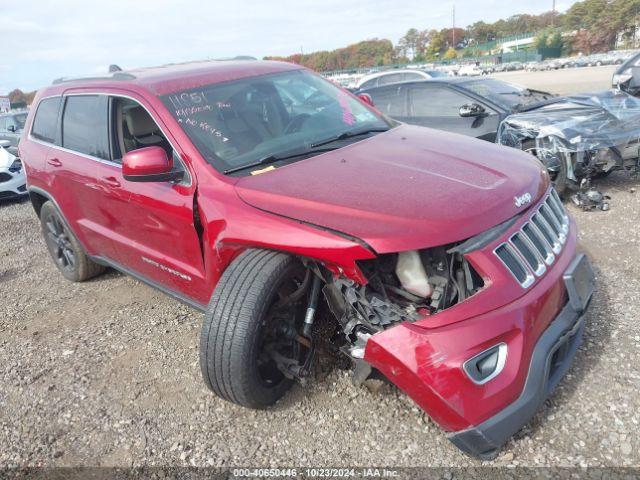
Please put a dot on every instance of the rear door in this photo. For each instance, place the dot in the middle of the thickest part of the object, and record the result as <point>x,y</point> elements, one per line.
<point>438,106</point>
<point>74,164</point>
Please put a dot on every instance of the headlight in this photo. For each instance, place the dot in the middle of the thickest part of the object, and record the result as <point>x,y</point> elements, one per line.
<point>16,166</point>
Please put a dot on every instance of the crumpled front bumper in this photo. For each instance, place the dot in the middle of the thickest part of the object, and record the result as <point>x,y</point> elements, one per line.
<point>542,331</point>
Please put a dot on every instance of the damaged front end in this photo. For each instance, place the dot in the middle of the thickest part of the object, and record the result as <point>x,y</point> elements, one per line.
<point>401,287</point>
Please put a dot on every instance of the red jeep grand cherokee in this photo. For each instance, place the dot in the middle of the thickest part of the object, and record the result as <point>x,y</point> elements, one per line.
<point>291,212</point>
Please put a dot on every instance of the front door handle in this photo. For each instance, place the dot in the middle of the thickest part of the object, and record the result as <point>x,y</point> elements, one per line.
<point>54,162</point>
<point>112,182</point>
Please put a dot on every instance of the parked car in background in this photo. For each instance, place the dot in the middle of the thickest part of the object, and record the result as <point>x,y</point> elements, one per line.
<point>575,137</point>
<point>11,125</point>
<point>397,76</point>
<point>627,76</point>
<point>12,177</point>
<point>444,263</point>
<point>471,71</point>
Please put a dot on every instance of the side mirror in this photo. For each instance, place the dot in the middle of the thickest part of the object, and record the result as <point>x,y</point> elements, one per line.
<point>366,98</point>
<point>149,164</point>
<point>472,110</point>
<point>12,128</point>
<point>5,143</point>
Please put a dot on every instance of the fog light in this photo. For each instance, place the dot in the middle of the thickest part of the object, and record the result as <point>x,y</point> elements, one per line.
<point>486,365</point>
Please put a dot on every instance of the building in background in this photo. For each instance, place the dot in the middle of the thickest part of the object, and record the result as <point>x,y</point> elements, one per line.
<point>5,104</point>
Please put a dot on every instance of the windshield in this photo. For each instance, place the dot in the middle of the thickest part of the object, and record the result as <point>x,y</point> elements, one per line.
<point>20,119</point>
<point>243,122</point>
<point>504,94</point>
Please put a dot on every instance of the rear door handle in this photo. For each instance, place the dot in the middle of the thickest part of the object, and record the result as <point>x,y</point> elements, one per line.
<point>111,181</point>
<point>54,162</point>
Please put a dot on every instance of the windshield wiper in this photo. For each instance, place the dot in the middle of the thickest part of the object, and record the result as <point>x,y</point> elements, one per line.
<point>276,158</point>
<point>345,135</point>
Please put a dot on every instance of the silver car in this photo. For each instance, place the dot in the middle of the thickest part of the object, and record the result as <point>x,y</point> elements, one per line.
<point>11,125</point>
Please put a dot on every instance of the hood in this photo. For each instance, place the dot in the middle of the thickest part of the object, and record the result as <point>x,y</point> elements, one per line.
<point>408,188</point>
<point>6,159</point>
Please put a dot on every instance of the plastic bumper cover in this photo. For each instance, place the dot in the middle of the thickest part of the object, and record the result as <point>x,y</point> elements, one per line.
<point>12,184</point>
<point>551,359</point>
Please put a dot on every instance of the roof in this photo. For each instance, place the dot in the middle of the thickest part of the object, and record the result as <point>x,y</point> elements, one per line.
<point>182,76</point>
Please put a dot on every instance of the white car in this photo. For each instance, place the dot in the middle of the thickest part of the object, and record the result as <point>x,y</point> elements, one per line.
<point>388,77</point>
<point>12,177</point>
<point>470,70</point>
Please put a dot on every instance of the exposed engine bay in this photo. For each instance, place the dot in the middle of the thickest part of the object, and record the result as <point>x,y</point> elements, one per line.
<point>401,287</point>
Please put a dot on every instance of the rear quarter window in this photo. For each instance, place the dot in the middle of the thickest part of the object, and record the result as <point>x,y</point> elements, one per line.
<point>46,120</point>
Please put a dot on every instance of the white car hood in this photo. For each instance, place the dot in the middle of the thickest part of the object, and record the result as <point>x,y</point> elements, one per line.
<point>6,159</point>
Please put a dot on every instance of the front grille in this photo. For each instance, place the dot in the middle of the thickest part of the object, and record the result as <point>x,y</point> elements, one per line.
<point>534,247</point>
<point>5,177</point>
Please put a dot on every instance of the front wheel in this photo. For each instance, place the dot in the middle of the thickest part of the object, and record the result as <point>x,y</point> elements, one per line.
<point>250,328</point>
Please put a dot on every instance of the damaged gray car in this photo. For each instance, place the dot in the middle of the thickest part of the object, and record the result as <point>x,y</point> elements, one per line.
<point>576,137</point>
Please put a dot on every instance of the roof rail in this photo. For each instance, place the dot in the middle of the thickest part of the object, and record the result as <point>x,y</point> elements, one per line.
<point>113,76</point>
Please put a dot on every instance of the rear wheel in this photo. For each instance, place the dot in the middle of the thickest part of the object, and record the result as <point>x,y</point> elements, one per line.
<point>250,327</point>
<point>65,250</point>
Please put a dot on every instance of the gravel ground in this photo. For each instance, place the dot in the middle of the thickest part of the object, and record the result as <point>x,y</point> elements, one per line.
<point>106,373</point>
<point>565,81</point>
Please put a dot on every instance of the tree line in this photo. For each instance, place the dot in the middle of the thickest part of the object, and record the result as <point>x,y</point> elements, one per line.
<point>589,26</point>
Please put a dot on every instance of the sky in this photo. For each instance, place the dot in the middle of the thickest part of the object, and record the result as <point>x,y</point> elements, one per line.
<point>46,40</point>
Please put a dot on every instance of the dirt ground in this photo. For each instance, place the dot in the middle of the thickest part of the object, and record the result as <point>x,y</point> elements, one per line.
<point>106,373</point>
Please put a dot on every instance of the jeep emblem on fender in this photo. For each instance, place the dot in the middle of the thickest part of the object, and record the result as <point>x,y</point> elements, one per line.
<point>522,199</point>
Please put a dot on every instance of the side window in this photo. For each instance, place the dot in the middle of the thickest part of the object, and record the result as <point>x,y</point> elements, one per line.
<point>389,79</point>
<point>85,125</point>
<point>46,120</point>
<point>133,128</point>
<point>436,102</point>
<point>3,124</point>
<point>390,101</point>
<point>412,76</point>
<point>370,83</point>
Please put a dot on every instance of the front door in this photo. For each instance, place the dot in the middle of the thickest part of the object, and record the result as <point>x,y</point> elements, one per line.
<point>438,106</point>
<point>151,224</point>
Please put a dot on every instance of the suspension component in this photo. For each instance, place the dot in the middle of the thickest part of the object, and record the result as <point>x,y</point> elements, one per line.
<point>311,309</point>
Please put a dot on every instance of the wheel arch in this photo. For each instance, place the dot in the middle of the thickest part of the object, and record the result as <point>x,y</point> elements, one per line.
<point>39,197</point>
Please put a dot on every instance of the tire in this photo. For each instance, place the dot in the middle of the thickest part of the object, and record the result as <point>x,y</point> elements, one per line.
<point>559,176</point>
<point>64,248</point>
<point>560,182</point>
<point>234,327</point>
